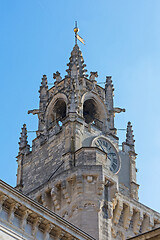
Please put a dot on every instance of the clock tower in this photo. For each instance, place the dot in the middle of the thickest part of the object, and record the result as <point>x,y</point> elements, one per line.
<point>75,166</point>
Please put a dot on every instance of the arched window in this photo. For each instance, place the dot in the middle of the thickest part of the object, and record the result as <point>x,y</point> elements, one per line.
<point>60,110</point>
<point>91,113</point>
<point>57,113</point>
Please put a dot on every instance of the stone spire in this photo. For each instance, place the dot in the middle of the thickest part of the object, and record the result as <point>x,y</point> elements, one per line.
<point>43,102</point>
<point>43,91</point>
<point>129,136</point>
<point>109,93</point>
<point>44,82</point>
<point>23,143</point>
<point>76,64</point>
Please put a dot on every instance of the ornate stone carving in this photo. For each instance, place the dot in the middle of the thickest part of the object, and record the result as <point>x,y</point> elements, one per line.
<point>12,209</point>
<point>117,211</point>
<point>128,213</point>
<point>137,221</point>
<point>36,223</point>
<point>3,198</point>
<point>57,76</point>
<point>55,198</point>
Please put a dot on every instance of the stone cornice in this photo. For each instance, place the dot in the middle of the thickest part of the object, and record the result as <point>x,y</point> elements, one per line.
<point>42,213</point>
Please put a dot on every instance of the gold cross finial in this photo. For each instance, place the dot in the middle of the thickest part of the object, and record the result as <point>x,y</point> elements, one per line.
<point>76,30</point>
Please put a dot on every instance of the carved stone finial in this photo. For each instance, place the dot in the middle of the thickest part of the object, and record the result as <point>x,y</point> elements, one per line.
<point>57,76</point>
<point>93,76</point>
<point>44,81</point>
<point>109,95</point>
<point>43,96</point>
<point>23,144</point>
<point>43,91</point>
<point>23,139</point>
<point>129,136</point>
<point>109,82</point>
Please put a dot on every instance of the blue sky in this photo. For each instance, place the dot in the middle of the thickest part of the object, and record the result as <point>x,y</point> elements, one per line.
<point>122,39</point>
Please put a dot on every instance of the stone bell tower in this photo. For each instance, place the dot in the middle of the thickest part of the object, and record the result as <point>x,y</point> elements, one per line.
<point>75,167</point>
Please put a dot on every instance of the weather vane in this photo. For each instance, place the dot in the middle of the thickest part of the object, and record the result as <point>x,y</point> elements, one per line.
<point>76,30</point>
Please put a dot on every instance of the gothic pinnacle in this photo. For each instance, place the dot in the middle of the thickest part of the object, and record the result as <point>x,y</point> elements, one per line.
<point>76,59</point>
<point>43,93</point>
<point>109,83</point>
<point>109,94</point>
<point>23,138</point>
<point>129,135</point>
<point>44,82</point>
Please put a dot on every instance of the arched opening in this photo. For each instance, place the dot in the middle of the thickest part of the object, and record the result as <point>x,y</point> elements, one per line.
<point>91,113</point>
<point>60,110</point>
<point>58,113</point>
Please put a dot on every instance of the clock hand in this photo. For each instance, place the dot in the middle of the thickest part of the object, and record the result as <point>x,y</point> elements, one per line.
<point>101,146</point>
<point>109,158</point>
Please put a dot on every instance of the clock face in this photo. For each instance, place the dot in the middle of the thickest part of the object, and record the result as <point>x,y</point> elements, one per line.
<point>112,155</point>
